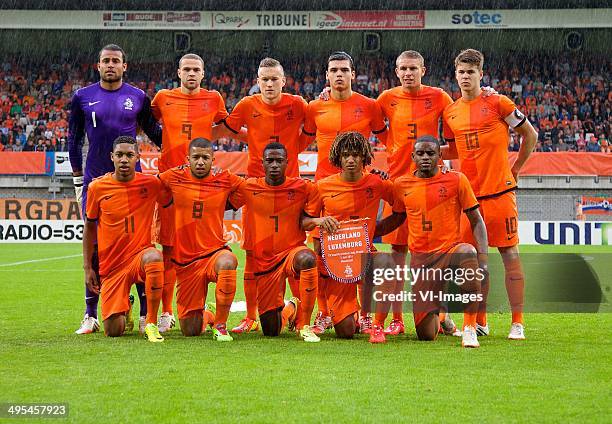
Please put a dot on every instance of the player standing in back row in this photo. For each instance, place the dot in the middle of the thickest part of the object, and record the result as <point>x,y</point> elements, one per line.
<point>269,117</point>
<point>345,111</point>
<point>186,113</point>
<point>413,110</point>
<point>103,112</point>
<point>477,130</point>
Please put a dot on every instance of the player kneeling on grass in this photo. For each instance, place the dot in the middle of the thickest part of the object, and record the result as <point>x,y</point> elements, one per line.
<point>120,208</point>
<point>434,202</point>
<point>200,253</point>
<point>353,194</point>
<point>274,244</point>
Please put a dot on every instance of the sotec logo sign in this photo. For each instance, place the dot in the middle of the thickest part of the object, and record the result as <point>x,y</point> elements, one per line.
<point>477,18</point>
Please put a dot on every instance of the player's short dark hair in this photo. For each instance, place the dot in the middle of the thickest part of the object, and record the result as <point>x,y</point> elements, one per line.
<point>341,56</point>
<point>410,54</point>
<point>470,57</point>
<point>268,62</point>
<point>427,139</point>
<point>275,146</point>
<point>201,142</point>
<point>125,139</point>
<point>351,141</point>
<point>113,48</point>
<point>191,56</point>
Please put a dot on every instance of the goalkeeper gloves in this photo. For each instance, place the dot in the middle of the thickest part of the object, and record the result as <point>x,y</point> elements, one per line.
<point>78,190</point>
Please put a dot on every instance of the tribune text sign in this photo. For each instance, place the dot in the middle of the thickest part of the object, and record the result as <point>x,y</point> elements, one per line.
<point>348,20</point>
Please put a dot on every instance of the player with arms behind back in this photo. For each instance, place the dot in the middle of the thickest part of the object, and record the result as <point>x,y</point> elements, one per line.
<point>103,112</point>
<point>413,110</point>
<point>477,130</point>
<point>274,244</point>
<point>345,111</point>
<point>200,253</point>
<point>186,112</point>
<point>120,206</point>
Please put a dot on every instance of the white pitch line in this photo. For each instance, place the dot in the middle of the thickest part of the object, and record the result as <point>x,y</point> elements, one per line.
<point>41,260</point>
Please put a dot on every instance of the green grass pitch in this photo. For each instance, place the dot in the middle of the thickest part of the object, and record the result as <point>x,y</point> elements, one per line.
<point>560,373</point>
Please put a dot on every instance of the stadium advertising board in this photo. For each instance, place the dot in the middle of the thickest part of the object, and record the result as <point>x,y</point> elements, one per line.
<point>307,20</point>
<point>62,164</point>
<point>599,205</point>
<point>490,19</point>
<point>28,228</point>
<point>36,231</point>
<point>35,209</point>
<point>143,20</point>
<point>565,233</point>
<point>236,163</point>
<point>26,163</point>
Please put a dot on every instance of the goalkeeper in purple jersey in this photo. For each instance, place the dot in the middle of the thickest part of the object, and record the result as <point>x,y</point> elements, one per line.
<point>103,112</point>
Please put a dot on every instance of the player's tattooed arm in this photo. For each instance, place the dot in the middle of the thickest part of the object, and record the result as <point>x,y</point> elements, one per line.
<point>480,235</point>
<point>328,223</point>
<point>91,280</point>
<point>382,174</point>
<point>390,223</point>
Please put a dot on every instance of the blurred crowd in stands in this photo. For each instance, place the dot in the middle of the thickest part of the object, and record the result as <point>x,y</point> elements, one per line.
<point>567,98</point>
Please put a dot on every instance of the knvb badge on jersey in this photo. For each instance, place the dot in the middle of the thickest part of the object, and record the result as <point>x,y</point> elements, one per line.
<point>343,251</point>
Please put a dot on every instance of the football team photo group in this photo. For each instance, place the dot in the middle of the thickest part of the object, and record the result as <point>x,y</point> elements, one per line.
<point>286,211</point>
<point>443,218</point>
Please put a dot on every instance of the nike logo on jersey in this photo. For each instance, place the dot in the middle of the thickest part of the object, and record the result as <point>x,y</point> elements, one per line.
<point>255,193</point>
<point>511,236</point>
<point>335,195</point>
<point>93,103</point>
<point>256,114</point>
<point>108,197</point>
<point>309,290</point>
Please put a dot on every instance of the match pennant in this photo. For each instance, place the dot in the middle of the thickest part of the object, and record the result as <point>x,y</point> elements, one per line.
<point>345,252</point>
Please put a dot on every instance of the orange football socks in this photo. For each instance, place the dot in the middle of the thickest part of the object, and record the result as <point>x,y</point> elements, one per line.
<point>154,282</point>
<point>250,296</point>
<point>224,294</point>
<point>308,285</point>
<point>515,287</point>
<point>168,288</point>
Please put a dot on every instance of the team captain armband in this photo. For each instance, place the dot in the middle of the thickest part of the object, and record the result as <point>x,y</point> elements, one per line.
<point>515,119</point>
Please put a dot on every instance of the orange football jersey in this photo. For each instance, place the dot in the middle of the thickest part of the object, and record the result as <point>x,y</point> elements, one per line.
<point>185,117</point>
<point>265,124</point>
<point>433,207</point>
<point>353,200</point>
<point>272,217</point>
<point>479,129</point>
<point>124,212</point>
<point>199,206</point>
<point>410,117</point>
<point>327,119</point>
